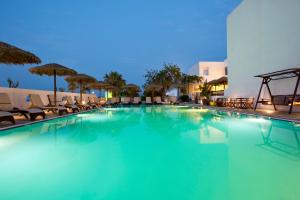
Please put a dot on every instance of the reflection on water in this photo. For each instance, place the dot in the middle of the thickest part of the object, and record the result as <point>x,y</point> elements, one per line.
<point>279,138</point>
<point>151,152</point>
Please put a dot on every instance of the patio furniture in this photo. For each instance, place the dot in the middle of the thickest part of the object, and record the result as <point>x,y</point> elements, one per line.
<point>290,100</point>
<point>7,106</point>
<point>81,105</point>
<point>70,104</point>
<point>157,100</point>
<point>137,100</point>
<point>6,116</point>
<point>148,100</point>
<point>36,102</point>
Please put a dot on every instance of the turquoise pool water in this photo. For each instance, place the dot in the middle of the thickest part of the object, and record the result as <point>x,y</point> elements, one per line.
<point>151,153</point>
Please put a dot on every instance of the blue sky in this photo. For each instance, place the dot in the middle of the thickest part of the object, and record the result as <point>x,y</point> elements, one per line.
<point>99,36</point>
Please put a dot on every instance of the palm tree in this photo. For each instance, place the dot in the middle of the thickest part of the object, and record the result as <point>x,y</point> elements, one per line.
<point>115,79</point>
<point>169,75</point>
<point>188,79</point>
<point>206,90</point>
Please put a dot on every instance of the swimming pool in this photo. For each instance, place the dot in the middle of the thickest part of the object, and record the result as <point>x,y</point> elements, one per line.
<point>155,152</point>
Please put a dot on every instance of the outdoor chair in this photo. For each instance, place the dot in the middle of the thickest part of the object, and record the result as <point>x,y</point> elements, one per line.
<point>36,102</point>
<point>148,100</point>
<point>7,106</point>
<point>136,100</point>
<point>6,116</point>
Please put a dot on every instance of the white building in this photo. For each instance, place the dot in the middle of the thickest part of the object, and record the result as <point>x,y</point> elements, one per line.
<point>209,70</point>
<point>263,36</point>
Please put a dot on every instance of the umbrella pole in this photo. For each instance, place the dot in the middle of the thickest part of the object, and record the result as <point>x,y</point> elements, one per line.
<point>54,88</point>
<point>80,83</point>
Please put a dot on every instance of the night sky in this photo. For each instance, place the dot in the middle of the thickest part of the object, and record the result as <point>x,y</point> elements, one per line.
<point>99,36</point>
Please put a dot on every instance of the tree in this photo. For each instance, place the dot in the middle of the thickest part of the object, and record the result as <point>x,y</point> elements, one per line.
<point>166,77</point>
<point>115,79</point>
<point>12,84</point>
<point>188,79</point>
<point>206,90</point>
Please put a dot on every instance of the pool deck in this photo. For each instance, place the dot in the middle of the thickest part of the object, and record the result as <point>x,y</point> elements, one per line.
<point>281,115</point>
<point>22,121</point>
<point>294,117</point>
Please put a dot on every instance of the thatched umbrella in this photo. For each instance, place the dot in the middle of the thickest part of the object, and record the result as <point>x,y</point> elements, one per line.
<point>81,79</point>
<point>131,86</point>
<point>54,70</point>
<point>111,87</point>
<point>152,88</point>
<point>99,85</point>
<point>221,81</point>
<point>12,55</point>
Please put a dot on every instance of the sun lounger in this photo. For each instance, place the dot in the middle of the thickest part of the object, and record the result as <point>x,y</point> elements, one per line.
<point>157,100</point>
<point>7,106</point>
<point>6,116</point>
<point>148,100</point>
<point>36,102</point>
<point>102,101</point>
<point>80,105</point>
<point>173,100</point>
<point>92,102</point>
<point>125,100</point>
<point>60,102</point>
<point>136,100</point>
<point>115,100</point>
<point>70,104</point>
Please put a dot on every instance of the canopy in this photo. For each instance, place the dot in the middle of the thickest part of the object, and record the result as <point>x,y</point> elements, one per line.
<point>132,86</point>
<point>80,79</point>
<point>53,69</point>
<point>12,55</point>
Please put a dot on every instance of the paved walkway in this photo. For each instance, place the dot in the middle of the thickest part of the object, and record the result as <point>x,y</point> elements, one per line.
<point>283,115</point>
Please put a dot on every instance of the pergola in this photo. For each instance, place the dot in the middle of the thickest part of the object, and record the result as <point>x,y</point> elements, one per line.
<point>287,100</point>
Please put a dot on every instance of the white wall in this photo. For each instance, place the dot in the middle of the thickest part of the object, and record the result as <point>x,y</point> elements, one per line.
<point>263,36</point>
<point>216,70</point>
<point>19,96</point>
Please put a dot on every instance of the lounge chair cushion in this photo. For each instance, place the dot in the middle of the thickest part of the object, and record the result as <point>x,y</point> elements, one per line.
<point>5,114</point>
<point>5,103</point>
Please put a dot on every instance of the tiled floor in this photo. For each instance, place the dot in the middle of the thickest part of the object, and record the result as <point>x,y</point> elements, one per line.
<point>268,113</point>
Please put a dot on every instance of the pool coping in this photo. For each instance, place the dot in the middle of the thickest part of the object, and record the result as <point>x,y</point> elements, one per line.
<point>188,105</point>
<point>249,114</point>
<point>45,120</point>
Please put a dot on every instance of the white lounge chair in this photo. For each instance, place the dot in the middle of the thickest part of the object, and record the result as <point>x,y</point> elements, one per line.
<point>158,100</point>
<point>148,100</point>
<point>173,100</point>
<point>136,100</point>
<point>115,100</point>
<point>36,102</point>
<point>81,105</point>
<point>70,104</point>
<point>7,106</point>
<point>92,102</point>
<point>125,100</point>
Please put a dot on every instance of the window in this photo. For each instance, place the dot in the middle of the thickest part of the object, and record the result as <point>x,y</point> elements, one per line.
<point>226,71</point>
<point>205,72</point>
